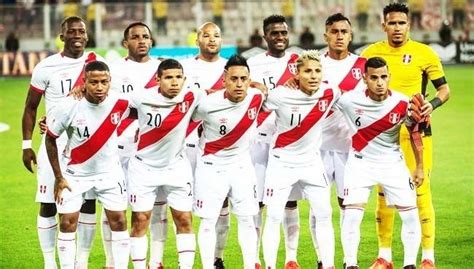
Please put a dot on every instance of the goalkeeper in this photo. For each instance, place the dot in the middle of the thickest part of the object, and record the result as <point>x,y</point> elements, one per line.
<point>411,65</point>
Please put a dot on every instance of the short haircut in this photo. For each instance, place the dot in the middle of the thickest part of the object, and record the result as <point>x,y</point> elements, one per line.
<point>306,56</point>
<point>394,7</point>
<point>375,62</point>
<point>168,64</point>
<point>199,30</point>
<point>96,66</point>
<point>335,18</point>
<point>272,19</point>
<point>236,60</point>
<point>69,20</point>
<point>133,24</point>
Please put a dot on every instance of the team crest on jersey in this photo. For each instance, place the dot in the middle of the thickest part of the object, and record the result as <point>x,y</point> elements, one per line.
<point>406,58</point>
<point>356,73</point>
<point>115,118</point>
<point>252,113</point>
<point>183,107</point>
<point>323,105</point>
<point>292,68</point>
<point>394,118</point>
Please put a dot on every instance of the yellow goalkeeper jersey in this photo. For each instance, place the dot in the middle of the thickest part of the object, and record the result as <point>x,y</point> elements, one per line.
<point>410,66</point>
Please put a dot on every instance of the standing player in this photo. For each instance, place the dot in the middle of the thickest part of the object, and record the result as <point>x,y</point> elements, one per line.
<point>376,116</point>
<point>92,162</point>
<point>273,68</point>
<point>343,70</point>
<point>133,73</point>
<point>224,168</point>
<point>205,71</point>
<point>294,158</point>
<point>411,64</point>
<point>160,162</point>
<point>54,77</point>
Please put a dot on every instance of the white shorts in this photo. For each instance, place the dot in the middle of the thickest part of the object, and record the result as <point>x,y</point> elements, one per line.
<point>109,188</point>
<point>45,175</point>
<point>282,179</point>
<point>361,175</point>
<point>334,165</point>
<point>215,182</point>
<point>259,154</point>
<point>125,153</point>
<point>174,181</point>
<point>191,151</point>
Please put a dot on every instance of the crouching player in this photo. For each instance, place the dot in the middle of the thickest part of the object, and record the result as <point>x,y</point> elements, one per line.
<point>376,116</point>
<point>92,163</point>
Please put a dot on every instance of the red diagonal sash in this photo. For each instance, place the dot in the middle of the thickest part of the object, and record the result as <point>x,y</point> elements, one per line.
<point>231,137</point>
<point>349,82</point>
<point>80,79</point>
<point>168,124</point>
<point>124,125</point>
<point>152,83</point>
<point>363,136</point>
<point>92,145</point>
<point>316,113</point>
<point>219,84</point>
<point>263,115</point>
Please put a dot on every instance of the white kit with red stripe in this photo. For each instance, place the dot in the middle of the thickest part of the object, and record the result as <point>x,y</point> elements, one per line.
<point>163,123</point>
<point>375,125</point>
<point>272,72</point>
<point>228,126</point>
<point>345,74</point>
<point>92,139</point>
<point>299,120</point>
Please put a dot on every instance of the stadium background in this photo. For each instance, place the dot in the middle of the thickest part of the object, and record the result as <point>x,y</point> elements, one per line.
<point>36,25</point>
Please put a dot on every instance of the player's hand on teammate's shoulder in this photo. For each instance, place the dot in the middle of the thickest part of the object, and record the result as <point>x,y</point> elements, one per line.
<point>292,83</point>
<point>77,92</point>
<point>59,185</point>
<point>259,86</point>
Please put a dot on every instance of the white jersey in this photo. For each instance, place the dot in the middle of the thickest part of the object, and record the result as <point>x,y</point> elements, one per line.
<point>299,120</point>
<point>56,75</point>
<point>272,72</point>
<point>163,123</point>
<point>345,74</point>
<point>129,76</point>
<point>376,125</point>
<point>228,126</point>
<point>91,129</point>
<point>202,75</point>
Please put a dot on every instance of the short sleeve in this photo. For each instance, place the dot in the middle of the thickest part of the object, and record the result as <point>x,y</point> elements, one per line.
<point>39,79</point>
<point>60,120</point>
<point>273,99</point>
<point>433,67</point>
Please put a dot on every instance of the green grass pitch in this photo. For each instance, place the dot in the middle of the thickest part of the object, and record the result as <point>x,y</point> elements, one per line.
<point>452,188</point>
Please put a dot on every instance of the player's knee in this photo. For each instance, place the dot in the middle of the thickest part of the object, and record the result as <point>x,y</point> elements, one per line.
<point>291,205</point>
<point>68,223</point>
<point>118,222</point>
<point>246,221</point>
<point>183,222</point>
<point>323,215</point>
<point>47,210</point>
<point>139,223</point>
<point>88,207</point>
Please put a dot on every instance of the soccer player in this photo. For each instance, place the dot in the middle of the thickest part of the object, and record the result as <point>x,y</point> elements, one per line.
<point>92,162</point>
<point>294,157</point>
<point>54,77</point>
<point>411,65</point>
<point>273,68</point>
<point>341,69</point>
<point>376,116</point>
<point>160,162</point>
<point>206,71</point>
<point>133,73</point>
<point>224,168</point>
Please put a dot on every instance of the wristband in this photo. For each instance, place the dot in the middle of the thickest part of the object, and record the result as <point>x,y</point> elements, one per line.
<point>26,144</point>
<point>436,102</point>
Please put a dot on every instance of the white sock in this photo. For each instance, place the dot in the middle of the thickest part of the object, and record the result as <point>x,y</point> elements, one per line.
<point>351,234</point>
<point>386,254</point>
<point>247,239</point>
<point>107,240</point>
<point>121,249</point>
<point>138,251</point>
<point>207,242</point>
<point>186,246</point>
<point>411,235</point>
<point>67,249</point>
<point>47,228</point>
<point>428,254</point>
<point>158,234</point>
<point>312,229</point>
<point>258,219</point>
<point>325,233</point>
<point>291,230</point>
<point>271,235</point>
<point>86,227</point>
<point>222,228</point>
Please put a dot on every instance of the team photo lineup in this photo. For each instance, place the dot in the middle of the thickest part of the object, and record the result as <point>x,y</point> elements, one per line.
<point>208,137</point>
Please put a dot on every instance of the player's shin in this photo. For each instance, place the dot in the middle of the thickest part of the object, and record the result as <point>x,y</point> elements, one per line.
<point>207,241</point>
<point>138,251</point>
<point>271,234</point>
<point>67,249</point>
<point>312,229</point>
<point>427,219</point>
<point>121,248</point>
<point>351,234</point>
<point>247,240</point>
<point>107,240</point>
<point>86,228</point>
<point>222,229</point>
<point>291,231</point>
<point>384,218</point>
<point>158,234</point>
<point>324,232</point>
<point>186,246</point>
<point>47,228</point>
<point>258,219</point>
<point>411,234</point>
